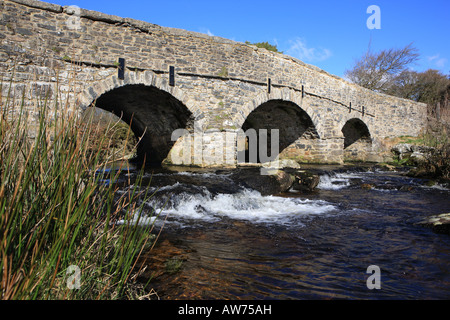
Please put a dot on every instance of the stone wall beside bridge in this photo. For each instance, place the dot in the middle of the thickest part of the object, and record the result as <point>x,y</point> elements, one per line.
<point>212,88</point>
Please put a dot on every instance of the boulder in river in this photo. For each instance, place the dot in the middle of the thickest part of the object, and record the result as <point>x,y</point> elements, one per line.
<point>439,223</point>
<point>305,181</point>
<point>276,181</point>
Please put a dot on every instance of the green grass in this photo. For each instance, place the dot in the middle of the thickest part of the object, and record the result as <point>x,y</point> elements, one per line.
<point>427,139</point>
<point>56,211</point>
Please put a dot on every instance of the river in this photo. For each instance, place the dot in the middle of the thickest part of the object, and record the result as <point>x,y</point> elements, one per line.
<point>220,240</point>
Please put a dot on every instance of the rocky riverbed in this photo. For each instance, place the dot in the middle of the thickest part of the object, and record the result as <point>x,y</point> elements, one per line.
<point>223,239</point>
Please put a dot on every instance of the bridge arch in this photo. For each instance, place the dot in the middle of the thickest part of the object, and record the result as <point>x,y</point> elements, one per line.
<point>297,133</point>
<point>282,94</point>
<point>357,140</point>
<point>151,108</point>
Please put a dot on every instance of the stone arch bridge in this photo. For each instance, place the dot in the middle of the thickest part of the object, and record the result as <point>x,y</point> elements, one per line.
<point>163,79</point>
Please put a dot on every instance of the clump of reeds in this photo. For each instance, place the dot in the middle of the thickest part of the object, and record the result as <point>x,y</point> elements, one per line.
<point>58,233</point>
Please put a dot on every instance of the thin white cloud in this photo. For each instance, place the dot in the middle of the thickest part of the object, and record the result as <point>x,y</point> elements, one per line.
<point>275,41</point>
<point>441,62</point>
<point>299,49</point>
<point>437,60</point>
<point>433,57</point>
<point>206,31</point>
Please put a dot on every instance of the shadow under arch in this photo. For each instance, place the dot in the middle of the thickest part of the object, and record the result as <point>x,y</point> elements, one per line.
<point>153,114</point>
<point>296,131</point>
<point>357,140</point>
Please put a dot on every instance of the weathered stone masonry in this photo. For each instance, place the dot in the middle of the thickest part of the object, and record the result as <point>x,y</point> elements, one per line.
<point>220,85</point>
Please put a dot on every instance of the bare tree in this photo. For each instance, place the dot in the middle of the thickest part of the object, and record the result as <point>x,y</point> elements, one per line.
<point>376,71</point>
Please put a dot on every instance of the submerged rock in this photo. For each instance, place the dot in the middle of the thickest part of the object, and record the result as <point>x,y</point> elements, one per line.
<point>367,186</point>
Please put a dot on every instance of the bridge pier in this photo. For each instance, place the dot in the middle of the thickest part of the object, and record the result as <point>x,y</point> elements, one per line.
<point>222,149</point>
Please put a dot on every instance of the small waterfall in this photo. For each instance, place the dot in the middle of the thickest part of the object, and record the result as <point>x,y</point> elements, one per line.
<point>246,204</point>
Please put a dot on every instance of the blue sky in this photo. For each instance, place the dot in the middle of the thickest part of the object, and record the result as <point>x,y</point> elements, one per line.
<point>328,34</point>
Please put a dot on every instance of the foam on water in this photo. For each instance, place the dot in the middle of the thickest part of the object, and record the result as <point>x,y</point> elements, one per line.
<point>437,186</point>
<point>248,205</point>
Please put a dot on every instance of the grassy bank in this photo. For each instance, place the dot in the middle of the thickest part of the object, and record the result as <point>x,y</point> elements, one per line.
<point>58,233</point>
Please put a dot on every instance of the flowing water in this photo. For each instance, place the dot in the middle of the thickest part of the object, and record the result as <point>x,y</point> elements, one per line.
<point>220,240</point>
